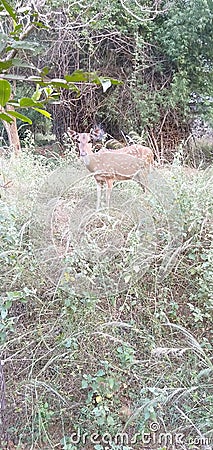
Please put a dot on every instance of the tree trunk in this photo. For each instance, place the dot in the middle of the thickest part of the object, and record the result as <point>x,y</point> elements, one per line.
<point>12,132</point>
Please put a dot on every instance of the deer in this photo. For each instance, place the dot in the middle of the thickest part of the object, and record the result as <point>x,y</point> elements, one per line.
<point>137,150</point>
<point>110,166</point>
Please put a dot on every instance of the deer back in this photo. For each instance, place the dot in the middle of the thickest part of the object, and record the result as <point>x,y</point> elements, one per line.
<point>137,150</point>
<point>117,166</point>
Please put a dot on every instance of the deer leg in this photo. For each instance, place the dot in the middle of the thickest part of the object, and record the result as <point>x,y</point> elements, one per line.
<point>109,186</point>
<point>142,180</point>
<point>99,192</point>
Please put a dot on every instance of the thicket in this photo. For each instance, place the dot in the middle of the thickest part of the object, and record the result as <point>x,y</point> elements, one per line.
<point>164,60</point>
<point>163,55</point>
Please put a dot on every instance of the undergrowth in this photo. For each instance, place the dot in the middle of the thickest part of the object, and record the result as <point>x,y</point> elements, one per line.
<point>105,317</point>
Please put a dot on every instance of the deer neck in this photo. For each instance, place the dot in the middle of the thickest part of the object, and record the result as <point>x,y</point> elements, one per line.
<point>86,158</point>
<point>85,147</point>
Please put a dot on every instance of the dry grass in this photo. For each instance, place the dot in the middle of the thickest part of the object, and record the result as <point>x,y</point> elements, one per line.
<point>105,316</point>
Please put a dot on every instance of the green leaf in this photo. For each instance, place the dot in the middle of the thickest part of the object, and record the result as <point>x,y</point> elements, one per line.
<point>116,82</point>
<point>10,76</point>
<point>59,82</point>
<point>9,9</point>
<point>41,82</point>
<point>56,83</point>
<point>48,91</point>
<point>37,94</point>
<point>77,76</point>
<point>54,96</point>
<point>13,103</point>
<point>16,62</point>
<point>92,77</point>
<point>17,29</point>
<point>4,65</point>
<point>40,25</point>
<point>24,45</point>
<point>20,116</point>
<point>5,117</point>
<point>74,88</point>
<point>34,78</point>
<point>5,92</point>
<point>104,80</point>
<point>27,102</point>
<point>44,71</point>
<point>43,112</point>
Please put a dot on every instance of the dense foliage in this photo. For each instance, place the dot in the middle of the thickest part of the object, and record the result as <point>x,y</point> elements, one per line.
<point>164,58</point>
<point>163,55</point>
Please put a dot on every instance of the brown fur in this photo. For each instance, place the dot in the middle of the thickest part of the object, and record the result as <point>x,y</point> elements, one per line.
<point>133,162</point>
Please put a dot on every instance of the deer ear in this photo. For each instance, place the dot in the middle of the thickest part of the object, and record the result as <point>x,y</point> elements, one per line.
<point>97,133</point>
<point>72,133</point>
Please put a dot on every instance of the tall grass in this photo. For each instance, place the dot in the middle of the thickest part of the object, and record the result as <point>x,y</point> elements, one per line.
<point>106,317</point>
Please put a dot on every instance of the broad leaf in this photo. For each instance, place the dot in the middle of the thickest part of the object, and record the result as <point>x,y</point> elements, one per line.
<point>5,117</point>
<point>78,76</point>
<point>24,45</point>
<point>37,94</point>
<point>5,91</point>
<point>74,88</point>
<point>112,80</point>
<point>34,78</point>
<point>58,80</point>
<point>48,91</point>
<point>4,65</point>
<point>44,71</point>
<point>27,102</point>
<point>16,62</point>
<point>20,116</point>
<point>59,83</point>
<point>43,112</point>
<point>10,76</point>
<point>13,103</point>
<point>91,77</point>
